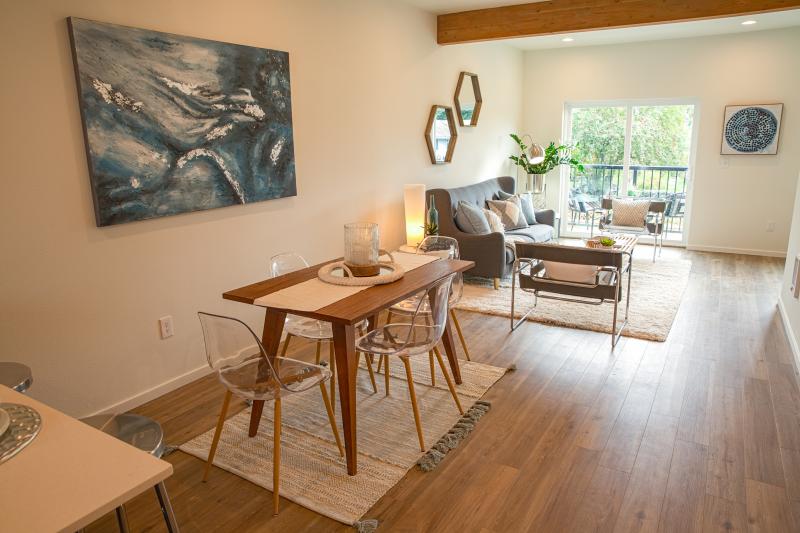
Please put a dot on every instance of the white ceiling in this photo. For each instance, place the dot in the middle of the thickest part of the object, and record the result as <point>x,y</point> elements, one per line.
<point>679,30</point>
<point>440,7</point>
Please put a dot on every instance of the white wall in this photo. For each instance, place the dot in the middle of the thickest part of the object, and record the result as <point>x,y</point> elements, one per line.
<point>788,305</point>
<point>80,304</point>
<point>734,196</point>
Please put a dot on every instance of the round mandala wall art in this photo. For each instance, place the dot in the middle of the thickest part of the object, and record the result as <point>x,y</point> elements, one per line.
<point>751,129</point>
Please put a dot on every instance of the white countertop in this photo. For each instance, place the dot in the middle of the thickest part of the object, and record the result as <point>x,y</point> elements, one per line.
<point>70,475</point>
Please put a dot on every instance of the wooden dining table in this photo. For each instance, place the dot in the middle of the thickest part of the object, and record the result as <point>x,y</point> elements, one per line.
<point>343,316</point>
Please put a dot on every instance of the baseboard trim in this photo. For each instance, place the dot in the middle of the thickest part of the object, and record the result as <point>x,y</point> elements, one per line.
<point>152,393</point>
<point>728,250</point>
<point>790,334</point>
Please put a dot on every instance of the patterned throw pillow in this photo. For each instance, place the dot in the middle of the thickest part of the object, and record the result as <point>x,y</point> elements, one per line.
<point>495,224</point>
<point>525,203</point>
<point>631,213</point>
<point>470,219</point>
<point>510,213</point>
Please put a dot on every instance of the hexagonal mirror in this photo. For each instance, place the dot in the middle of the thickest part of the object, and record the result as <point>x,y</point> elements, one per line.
<point>468,99</point>
<point>441,134</point>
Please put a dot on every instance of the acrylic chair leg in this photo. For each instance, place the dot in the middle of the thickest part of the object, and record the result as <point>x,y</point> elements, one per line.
<point>331,417</point>
<point>385,359</point>
<point>332,359</point>
<point>286,344</point>
<point>432,366</point>
<point>413,395</point>
<point>448,379</point>
<point>460,333</point>
<point>217,433</point>
<point>122,519</point>
<point>276,459</point>
<point>166,508</point>
<point>368,359</point>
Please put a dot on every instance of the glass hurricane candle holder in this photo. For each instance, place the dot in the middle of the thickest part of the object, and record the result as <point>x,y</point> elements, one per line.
<point>361,248</point>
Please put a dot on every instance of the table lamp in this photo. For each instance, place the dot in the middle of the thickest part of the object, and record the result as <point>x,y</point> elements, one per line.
<point>414,201</point>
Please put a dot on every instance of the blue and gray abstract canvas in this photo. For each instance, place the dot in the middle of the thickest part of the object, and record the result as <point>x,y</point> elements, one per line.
<point>175,124</point>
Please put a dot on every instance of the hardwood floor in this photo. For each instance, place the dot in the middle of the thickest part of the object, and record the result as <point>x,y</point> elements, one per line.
<point>700,433</point>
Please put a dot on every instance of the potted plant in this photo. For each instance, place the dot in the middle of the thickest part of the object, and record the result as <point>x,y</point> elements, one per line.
<point>553,157</point>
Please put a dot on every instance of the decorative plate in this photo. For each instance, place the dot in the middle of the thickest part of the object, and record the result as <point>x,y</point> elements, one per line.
<point>338,273</point>
<point>5,420</point>
<point>751,129</point>
<point>25,423</point>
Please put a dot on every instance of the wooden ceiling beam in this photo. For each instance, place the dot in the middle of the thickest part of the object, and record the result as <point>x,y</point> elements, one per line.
<point>568,16</point>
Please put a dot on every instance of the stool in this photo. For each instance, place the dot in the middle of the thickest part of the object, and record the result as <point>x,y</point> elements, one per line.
<point>16,376</point>
<point>143,433</point>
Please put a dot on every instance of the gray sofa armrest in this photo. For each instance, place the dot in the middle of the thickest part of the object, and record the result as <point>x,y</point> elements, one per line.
<point>546,216</point>
<point>485,250</point>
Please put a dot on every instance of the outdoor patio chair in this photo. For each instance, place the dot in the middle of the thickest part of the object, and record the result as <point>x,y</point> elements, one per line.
<point>652,224</point>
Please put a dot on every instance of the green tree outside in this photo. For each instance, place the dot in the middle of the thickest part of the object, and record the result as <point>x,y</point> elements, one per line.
<point>661,136</point>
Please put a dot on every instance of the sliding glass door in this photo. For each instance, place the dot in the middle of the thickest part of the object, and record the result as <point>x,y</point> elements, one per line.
<point>629,149</point>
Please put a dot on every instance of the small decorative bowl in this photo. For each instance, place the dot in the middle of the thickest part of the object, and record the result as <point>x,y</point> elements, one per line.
<point>600,242</point>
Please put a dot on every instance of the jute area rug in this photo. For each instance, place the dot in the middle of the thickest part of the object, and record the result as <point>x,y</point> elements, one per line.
<point>656,293</point>
<point>312,473</point>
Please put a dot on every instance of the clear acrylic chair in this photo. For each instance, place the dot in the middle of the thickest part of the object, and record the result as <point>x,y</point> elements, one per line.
<point>419,336</point>
<point>245,369</point>
<point>308,328</point>
<point>447,248</point>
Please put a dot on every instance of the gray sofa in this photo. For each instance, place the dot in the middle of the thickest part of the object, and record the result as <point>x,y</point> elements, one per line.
<point>493,259</point>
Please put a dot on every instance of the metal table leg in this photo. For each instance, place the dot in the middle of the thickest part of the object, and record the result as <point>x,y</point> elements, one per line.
<point>166,508</point>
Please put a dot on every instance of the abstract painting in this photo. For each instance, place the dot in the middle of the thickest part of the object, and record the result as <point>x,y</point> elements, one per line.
<point>175,124</point>
<point>752,129</point>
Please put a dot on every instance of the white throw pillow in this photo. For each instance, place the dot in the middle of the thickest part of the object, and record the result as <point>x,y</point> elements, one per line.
<point>570,272</point>
<point>495,224</point>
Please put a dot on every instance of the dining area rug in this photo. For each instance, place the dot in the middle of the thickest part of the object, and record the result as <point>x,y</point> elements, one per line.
<point>312,472</point>
<point>656,293</point>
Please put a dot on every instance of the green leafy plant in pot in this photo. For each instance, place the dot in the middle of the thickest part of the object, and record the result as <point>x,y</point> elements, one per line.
<point>553,157</point>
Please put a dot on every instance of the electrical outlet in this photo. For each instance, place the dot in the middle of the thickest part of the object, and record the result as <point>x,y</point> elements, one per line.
<point>770,226</point>
<point>165,323</point>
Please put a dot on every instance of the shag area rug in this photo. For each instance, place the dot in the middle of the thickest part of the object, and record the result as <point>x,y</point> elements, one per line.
<point>656,293</point>
<point>312,473</point>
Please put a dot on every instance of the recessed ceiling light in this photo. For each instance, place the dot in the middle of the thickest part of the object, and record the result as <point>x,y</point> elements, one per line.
<point>749,22</point>
<point>567,40</point>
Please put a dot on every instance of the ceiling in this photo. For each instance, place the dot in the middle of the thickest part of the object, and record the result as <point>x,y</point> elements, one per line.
<point>679,30</point>
<point>440,7</point>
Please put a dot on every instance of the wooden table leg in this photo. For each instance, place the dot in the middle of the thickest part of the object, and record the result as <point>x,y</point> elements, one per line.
<point>271,339</point>
<point>372,321</point>
<point>346,368</point>
<point>447,340</point>
<point>449,348</point>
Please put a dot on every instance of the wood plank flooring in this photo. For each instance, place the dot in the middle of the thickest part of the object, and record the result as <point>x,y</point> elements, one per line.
<point>700,433</point>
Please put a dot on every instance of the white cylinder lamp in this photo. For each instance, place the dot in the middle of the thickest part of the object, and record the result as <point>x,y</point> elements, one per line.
<point>414,201</point>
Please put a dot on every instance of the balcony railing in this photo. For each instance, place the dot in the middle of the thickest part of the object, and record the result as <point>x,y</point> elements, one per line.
<point>604,181</point>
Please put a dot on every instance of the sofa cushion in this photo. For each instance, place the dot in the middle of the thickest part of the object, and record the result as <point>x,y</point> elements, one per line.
<point>536,233</point>
<point>495,224</point>
<point>525,204</point>
<point>510,212</point>
<point>573,272</point>
<point>470,219</point>
<point>629,212</point>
